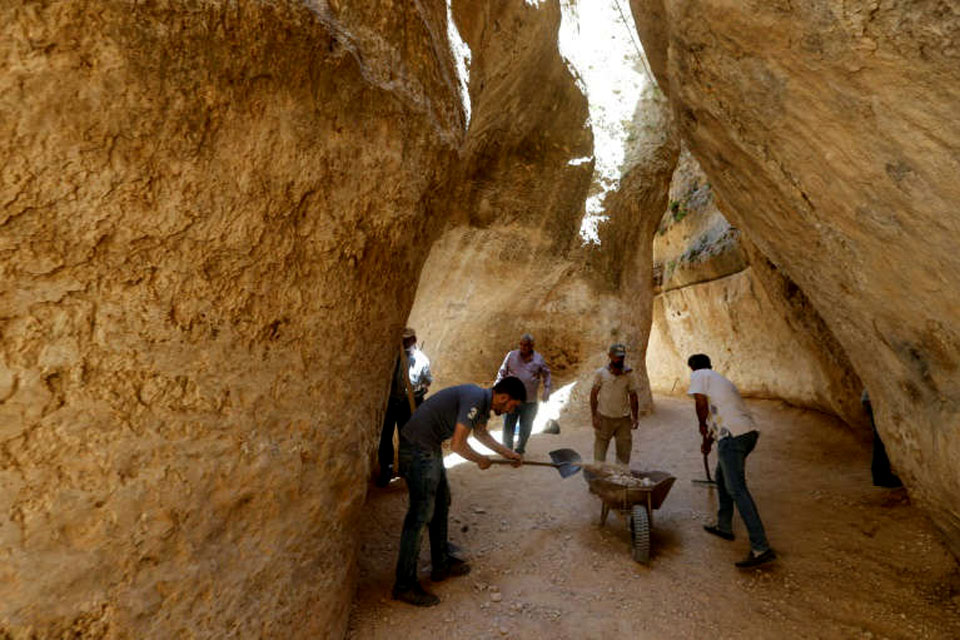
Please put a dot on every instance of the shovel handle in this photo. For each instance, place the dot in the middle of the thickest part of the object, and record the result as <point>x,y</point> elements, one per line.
<point>536,463</point>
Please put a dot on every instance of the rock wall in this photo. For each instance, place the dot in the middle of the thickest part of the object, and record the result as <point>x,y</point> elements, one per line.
<point>718,295</point>
<point>513,262</point>
<point>829,134</point>
<point>516,212</point>
<point>207,211</point>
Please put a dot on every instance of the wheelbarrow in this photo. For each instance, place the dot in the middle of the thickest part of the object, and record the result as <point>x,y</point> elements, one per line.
<point>635,501</point>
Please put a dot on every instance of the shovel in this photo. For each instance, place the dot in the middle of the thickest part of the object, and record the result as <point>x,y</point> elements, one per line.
<point>710,482</point>
<point>563,460</point>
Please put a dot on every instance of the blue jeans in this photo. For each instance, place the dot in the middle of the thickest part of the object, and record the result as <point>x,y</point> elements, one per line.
<point>429,506</point>
<point>731,480</point>
<point>526,413</point>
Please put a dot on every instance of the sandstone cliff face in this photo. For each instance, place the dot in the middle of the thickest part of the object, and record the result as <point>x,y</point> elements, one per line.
<point>500,269</point>
<point>829,134</point>
<point>512,262</point>
<point>718,295</point>
<point>207,210</point>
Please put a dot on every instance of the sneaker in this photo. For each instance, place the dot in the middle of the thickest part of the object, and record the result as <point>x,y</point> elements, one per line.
<point>720,533</point>
<point>416,595</point>
<point>454,569</point>
<point>754,560</point>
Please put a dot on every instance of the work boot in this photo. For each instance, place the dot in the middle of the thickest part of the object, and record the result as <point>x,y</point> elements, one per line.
<point>454,569</point>
<point>757,559</point>
<point>416,595</point>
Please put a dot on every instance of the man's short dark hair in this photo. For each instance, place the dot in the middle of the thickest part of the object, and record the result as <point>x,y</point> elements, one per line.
<point>699,361</point>
<point>513,387</point>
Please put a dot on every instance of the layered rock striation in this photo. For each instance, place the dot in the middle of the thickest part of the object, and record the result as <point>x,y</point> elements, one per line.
<point>717,294</point>
<point>828,132</point>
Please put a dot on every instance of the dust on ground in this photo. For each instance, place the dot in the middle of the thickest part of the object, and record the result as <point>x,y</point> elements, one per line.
<point>855,561</point>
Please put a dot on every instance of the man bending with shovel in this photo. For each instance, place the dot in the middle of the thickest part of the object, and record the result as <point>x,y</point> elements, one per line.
<point>454,413</point>
<point>731,425</point>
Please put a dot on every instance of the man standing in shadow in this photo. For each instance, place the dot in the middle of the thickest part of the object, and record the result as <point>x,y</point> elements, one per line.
<point>883,476</point>
<point>411,379</point>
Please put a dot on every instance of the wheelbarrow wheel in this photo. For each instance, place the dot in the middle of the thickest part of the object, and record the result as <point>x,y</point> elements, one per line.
<point>640,533</point>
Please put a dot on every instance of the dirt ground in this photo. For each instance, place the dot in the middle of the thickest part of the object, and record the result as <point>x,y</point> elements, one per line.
<point>855,561</point>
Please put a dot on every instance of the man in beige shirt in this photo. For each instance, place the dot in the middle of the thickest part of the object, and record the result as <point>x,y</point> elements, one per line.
<point>614,406</point>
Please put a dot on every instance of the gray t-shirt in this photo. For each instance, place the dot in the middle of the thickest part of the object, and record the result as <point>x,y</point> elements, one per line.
<point>435,420</point>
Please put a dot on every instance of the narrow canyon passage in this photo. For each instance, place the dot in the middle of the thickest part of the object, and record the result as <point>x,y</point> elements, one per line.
<point>217,217</point>
<point>855,561</point>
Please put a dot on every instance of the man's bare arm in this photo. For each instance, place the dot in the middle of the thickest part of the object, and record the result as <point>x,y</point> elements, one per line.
<point>480,433</point>
<point>634,409</point>
<point>703,411</point>
<point>460,446</point>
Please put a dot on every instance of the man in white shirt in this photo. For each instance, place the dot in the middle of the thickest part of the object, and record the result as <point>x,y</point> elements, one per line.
<point>614,406</point>
<point>723,417</point>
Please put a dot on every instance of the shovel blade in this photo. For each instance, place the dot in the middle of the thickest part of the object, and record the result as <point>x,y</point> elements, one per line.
<point>564,456</point>
<point>567,470</point>
<point>566,461</point>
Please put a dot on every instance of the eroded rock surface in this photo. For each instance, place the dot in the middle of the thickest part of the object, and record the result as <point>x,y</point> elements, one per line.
<point>829,133</point>
<point>514,261</point>
<point>207,210</point>
<point>502,268</point>
<point>718,295</point>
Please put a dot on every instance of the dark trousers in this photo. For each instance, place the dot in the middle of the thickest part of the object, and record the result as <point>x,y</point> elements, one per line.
<point>883,476</point>
<point>525,414</point>
<point>429,507</point>
<point>731,480</point>
<point>880,465</point>
<point>397,415</point>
